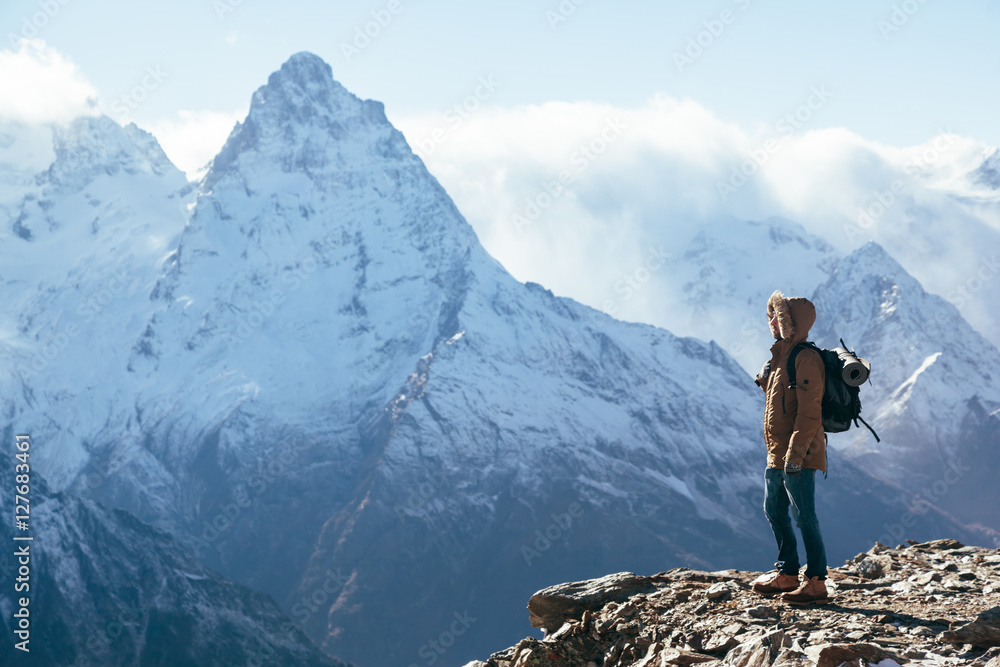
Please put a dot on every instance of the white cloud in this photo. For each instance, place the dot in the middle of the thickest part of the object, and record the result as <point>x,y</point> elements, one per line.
<point>193,138</point>
<point>658,182</point>
<point>638,176</point>
<point>40,85</point>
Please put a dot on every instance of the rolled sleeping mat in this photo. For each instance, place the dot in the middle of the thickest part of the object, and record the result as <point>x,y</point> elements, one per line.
<point>856,370</point>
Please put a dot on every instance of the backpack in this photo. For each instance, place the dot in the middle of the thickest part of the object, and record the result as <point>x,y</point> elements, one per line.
<point>841,392</point>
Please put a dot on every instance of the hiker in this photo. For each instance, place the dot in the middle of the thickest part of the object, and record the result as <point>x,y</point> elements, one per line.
<point>796,449</point>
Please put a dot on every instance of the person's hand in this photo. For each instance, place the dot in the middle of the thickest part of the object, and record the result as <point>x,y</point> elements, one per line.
<point>793,469</point>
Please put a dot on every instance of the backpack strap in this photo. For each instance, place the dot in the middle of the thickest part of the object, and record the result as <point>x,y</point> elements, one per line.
<point>791,361</point>
<point>869,427</point>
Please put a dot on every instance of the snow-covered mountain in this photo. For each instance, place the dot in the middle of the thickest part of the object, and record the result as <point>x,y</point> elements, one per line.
<point>105,589</point>
<point>85,240</point>
<point>330,392</point>
<point>946,234</point>
<point>725,274</point>
<point>934,395</point>
<point>988,173</point>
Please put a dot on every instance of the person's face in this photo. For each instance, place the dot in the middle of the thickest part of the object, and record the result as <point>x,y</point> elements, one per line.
<point>774,325</point>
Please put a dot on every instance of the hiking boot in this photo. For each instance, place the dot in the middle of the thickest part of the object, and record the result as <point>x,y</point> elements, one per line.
<point>776,583</point>
<point>812,591</point>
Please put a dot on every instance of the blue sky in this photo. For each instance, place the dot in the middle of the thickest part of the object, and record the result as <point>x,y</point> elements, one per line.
<point>939,68</point>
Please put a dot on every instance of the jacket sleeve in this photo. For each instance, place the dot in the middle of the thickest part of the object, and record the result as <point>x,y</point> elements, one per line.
<point>761,379</point>
<point>810,377</point>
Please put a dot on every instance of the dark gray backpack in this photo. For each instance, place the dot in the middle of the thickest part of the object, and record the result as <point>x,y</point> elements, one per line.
<point>845,373</point>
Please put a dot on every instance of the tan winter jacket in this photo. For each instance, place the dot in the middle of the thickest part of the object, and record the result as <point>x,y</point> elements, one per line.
<point>793,418</point>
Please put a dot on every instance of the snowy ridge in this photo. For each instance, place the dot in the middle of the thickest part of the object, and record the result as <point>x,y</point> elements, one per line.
<point>935,382</point>
<point>85,244</point>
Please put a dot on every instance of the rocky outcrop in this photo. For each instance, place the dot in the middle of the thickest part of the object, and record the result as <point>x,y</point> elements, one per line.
<point>931,603</point>
<point>99,588</point>
<point>984,632</point>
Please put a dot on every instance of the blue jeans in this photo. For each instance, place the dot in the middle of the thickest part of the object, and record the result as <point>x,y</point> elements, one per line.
<point>799,493</point>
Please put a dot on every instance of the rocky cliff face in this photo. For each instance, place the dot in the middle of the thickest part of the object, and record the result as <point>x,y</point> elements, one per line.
<point>988,173</point>
<point>931,603</point>
<point>105,589</point>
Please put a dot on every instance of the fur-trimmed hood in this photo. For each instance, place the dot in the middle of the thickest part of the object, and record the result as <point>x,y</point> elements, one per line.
<point>795,315</point>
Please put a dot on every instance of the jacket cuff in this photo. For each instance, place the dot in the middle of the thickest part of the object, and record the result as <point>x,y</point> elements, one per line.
<point>791,458</point>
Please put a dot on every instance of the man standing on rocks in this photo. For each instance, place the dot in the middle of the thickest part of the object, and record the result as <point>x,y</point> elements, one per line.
<point>796,449</point>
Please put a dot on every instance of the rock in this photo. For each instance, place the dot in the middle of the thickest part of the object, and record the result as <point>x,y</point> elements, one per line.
<point>989,659</point>
<point>878,548</point>
<point>941,545</point>
<point>818,637</point>
<point>758,652</point>
<point>983,632</point>
<point>762,611</point>
<point>958,585</point>
<point>722,590</point>
<point>553,606</point>
<point>833,655</point>
<point>677,656</point>
<point>903,587</point>
<point>925,578</point>
<point>568,628</point>
<point>793,658</point>
<point>720,643</point>
<point>713,619</point>
<point>652,658</point>
<point>869,569</point>
<point>684,595</point>
<point>531,652</point>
